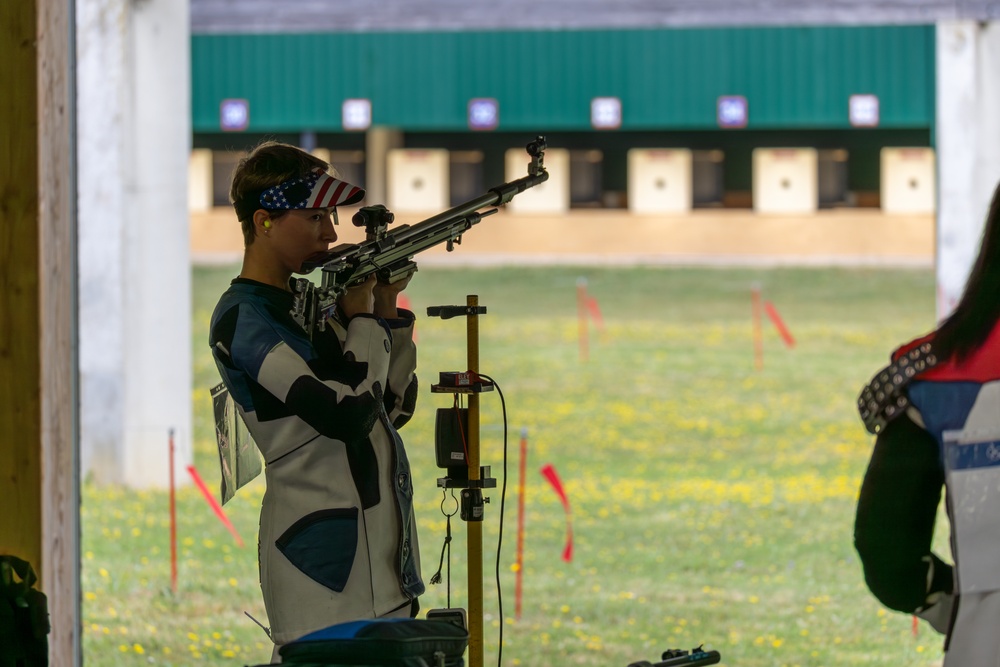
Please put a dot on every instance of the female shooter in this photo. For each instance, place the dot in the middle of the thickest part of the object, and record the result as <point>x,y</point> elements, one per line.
<point>337,536</point>
<point>935,411</point>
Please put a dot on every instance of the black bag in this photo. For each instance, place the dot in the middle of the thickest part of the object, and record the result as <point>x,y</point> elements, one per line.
<point>385,642</point>
<point>24,616</point>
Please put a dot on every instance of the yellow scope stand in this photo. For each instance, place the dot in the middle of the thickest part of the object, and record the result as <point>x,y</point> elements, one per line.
<point>477,478</point>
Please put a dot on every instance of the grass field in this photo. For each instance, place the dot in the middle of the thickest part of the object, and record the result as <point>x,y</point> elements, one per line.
<point>712,502</point>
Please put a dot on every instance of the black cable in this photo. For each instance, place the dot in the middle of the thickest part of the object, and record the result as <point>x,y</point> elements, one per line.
<point>503,498</point>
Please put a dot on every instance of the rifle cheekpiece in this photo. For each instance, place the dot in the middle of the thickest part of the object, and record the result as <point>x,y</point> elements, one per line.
<point>883,399</point>
<point>389,253</point>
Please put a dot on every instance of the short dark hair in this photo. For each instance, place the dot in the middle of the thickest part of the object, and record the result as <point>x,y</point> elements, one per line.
<point>266,165</point>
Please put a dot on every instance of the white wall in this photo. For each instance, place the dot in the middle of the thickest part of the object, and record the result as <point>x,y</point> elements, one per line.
<point>135,290</point>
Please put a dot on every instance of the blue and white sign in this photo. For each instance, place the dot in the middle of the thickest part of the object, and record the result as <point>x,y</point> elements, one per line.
<point>863,110</point>
<point>234,115</point>
<point>356,114</point>
<point>484,113</point>
<point>606,113</point>
<point>732,111</point>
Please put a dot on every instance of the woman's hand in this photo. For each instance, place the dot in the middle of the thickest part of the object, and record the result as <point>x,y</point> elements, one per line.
<point>386,294</point>
<point>358,299</point>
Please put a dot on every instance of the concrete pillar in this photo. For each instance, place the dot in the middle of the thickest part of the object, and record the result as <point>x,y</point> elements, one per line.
<point>201,193</point>
<point>135,319</point>
<point>988,85</point>
<point>967,134</point>
<point>378,142</point>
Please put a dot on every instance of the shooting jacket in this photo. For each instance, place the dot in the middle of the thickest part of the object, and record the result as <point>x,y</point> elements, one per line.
<point>956,408</point>
<point>338,539</point>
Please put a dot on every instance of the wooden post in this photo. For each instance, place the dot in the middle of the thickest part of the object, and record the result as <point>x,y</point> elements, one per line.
<point>475,546</point>
<point>57,301</point>
<point>20,331</point>
<point>758,334</point>
<point>522,470</point>
<point>38,416</point>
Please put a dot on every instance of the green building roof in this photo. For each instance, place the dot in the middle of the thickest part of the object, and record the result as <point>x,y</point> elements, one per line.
<point>666,79</point>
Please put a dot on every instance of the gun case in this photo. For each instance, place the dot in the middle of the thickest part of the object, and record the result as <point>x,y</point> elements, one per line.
<point>380,642</point>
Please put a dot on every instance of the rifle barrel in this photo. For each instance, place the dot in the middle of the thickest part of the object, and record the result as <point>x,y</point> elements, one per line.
<point>493,197</point>
<point>408,240</point>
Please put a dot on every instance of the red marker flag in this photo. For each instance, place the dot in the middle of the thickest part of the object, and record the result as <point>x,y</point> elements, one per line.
<point>786,335</point>
<point>595,313</point>
<point>216,507</point>
<point>550,474</point>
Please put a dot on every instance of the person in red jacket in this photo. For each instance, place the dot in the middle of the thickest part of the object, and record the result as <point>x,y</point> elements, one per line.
<point>936,413</point>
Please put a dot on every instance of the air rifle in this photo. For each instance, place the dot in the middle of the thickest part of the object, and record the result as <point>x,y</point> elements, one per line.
<point>389,254</point>
<point>678,658</point>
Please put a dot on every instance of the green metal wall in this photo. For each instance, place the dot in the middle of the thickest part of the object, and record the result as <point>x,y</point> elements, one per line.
<point>793,78</point>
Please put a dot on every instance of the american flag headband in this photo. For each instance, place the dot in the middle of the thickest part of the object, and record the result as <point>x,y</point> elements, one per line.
<point>317,189</point>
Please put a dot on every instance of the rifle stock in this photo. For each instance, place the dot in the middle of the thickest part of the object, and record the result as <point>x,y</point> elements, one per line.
<point>389,254</point>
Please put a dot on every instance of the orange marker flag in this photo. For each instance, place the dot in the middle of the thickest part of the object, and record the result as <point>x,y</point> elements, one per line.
<point>595,312</point>
<point>550,474</point>
<point>216,507</point>
<point>786,335</point>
